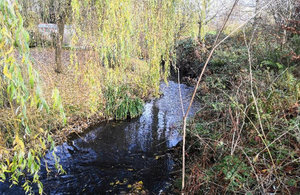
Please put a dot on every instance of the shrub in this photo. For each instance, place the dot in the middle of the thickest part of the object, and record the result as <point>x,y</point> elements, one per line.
<point>120,104</point>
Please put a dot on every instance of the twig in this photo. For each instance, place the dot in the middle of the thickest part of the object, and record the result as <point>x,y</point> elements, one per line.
<point>273,142</point>
<point>254,171</point>
<point>275,81</point>
<point>264,139</point>
<point>195,90</point>
<point>180,94</point>
<point>201,75</point>
<point>202,140</point>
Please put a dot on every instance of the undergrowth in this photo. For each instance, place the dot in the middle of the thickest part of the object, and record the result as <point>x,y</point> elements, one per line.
<point>235,148</point>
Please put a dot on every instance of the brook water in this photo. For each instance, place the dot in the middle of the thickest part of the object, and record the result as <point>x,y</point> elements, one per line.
<point>111,158</point>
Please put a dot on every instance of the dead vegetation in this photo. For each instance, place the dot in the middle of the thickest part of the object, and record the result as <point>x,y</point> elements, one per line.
<point>238,144</point>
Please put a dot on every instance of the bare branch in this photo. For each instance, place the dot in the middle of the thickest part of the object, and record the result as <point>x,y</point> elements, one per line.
<point>194,94</point>
<point>202,73</point>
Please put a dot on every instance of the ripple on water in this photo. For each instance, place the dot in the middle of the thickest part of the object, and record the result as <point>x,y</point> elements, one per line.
<point>117,154</point>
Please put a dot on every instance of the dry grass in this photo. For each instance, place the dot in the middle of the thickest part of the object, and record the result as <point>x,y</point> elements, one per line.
<point>72,87</point>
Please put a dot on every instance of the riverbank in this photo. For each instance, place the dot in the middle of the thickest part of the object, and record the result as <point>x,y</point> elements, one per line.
<point>70,103</point>
<point>129,156</point>
<point>76,93</point>
<point>245,137</point>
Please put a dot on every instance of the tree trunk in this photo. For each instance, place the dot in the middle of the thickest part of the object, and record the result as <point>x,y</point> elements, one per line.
<point>58,45</point>
<point>199,30</point>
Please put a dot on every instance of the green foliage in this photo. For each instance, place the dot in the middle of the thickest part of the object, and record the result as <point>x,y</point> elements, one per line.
<point>287,89</point>
<point>57,105</point>
<point>203,17</point>
<point>190,56</point>
<point>235,171</point>
<point>230,117</point>
<point>121,104</point>
<point>274,54</point>
<point>127,29</point>
<point>230,54</point>
<point>271,65</point>
<point>21,95</point>
<point>294,43</point>
<point>185,49</point>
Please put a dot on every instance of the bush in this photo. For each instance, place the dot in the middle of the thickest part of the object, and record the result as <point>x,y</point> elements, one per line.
<point>120,104</point>
<point>190,55</point>
<point>228,152</point>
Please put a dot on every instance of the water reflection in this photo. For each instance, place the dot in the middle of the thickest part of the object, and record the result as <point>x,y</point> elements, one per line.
<point>127,151</point>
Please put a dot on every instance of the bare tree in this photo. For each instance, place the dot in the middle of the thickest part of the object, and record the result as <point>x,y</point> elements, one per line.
<point>283,11</point>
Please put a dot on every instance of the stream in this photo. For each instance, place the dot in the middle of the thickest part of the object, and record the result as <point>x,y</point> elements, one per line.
<point>113,157</point>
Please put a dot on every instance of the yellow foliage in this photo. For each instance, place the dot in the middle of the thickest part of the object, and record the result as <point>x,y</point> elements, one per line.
<point>6,72</point>
<point>19,144</point>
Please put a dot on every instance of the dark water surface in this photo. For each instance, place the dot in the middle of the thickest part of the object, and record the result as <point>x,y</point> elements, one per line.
<point>115,155</point>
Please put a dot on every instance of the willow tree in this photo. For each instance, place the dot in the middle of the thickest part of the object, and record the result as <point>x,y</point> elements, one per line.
<point>23,139</point>
<point>126,41</point>
<point>121,31</point>
<point>116,33</point>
